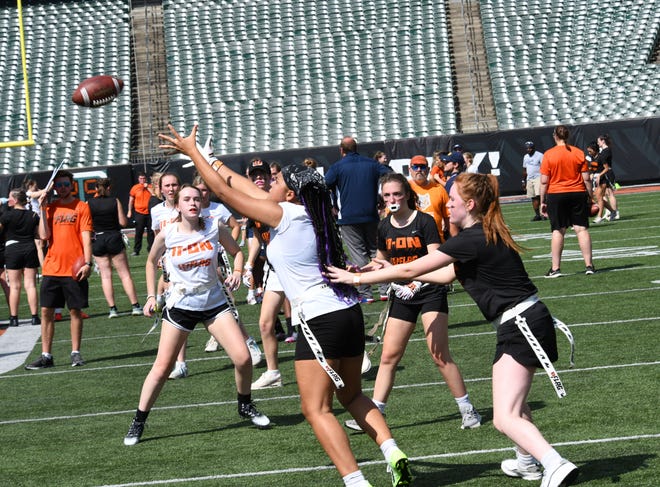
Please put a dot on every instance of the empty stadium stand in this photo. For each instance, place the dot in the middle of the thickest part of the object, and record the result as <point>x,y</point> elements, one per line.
<point>572,61</point>
<point>66,42</point>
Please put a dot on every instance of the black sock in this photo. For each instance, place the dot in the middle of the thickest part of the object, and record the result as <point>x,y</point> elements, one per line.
<point>244,398</point>
<point>289,327</point>
<point>141,416</point>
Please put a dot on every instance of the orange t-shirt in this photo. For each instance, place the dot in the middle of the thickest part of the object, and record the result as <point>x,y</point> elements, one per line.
<point>66,222</point>
<point>141,197</point>
<point>433,199</point>
<point>564,169</point>
<point>436,170</point>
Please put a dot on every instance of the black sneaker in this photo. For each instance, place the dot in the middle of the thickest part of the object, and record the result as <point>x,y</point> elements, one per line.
<point>589,270</point>
<point>537,218</point>
<point>249,411</point>
<point>36,321</point>
<point>41,363</point>
<point>134,433</point>
<point>13,321</point>
<point>76,359</point>
<point>552,273</point>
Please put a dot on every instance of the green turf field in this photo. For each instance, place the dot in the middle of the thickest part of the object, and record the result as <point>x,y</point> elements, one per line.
<point>65,426</point>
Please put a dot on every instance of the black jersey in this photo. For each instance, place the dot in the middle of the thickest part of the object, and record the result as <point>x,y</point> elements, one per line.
<point>408,243</point>
<point>492,274</point>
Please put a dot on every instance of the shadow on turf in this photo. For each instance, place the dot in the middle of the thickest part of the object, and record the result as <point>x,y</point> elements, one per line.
<point>439,474</point>
<point>612,468</point>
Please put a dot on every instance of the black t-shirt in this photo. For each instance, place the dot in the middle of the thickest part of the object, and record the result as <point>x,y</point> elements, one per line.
<point>104,214</point>
<point>408,243</point>
<point>492,274</point>
<point>20,225</point>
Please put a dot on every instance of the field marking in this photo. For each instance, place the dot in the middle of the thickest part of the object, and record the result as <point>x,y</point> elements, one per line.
<point>285,471</point>
<point>296,396</point>
<point>286,352</point>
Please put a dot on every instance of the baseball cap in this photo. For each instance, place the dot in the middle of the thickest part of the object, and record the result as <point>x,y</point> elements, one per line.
<point>420,160</point>
<point>446,158</point>
<point>258,165</point>
<point>457,147</point>
<point>529,143</point>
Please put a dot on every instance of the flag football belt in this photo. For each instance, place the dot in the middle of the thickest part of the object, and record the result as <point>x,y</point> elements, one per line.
<point>314,344</point>
<point>228,296</point>
<point>178,290</point>
<point>521,322</point>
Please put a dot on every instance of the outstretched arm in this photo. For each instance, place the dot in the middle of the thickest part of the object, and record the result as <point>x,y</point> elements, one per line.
<point>430,268</point>
<point>232,188</point>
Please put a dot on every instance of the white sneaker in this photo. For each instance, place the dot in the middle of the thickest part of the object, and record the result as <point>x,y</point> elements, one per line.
<point>562,476</point>
<point>513,469</point>
<point>614,216</point>
<point>471,418</point>
<point>113,313</point>
<point>251,300</point>
<point>606,214</point>
<point>598,219</point>
<point>179,371</point>
<point>255,351</point>
<point>270,378</point>
<point>351,424</point>
<point>211,345</point>
<point>291,338</point>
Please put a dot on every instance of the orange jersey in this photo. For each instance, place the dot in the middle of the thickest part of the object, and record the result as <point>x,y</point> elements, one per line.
<point>141,195</point>
<point>66,223</point>
<point>564,169</point>
<point>433,199</point>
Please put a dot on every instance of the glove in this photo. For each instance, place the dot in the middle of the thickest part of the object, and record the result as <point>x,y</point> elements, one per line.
<point>406,291</point>
<point>208,147</point>
<point>247,277</point>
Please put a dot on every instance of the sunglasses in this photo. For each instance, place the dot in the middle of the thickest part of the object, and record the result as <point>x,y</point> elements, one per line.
<point>418,167</point>
<point>63,184</point>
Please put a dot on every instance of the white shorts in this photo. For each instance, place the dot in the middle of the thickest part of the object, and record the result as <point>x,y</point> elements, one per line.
<point>272,281</point>
<point>534,187</point>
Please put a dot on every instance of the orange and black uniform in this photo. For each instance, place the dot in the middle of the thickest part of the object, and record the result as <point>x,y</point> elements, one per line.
<point>142,216</point>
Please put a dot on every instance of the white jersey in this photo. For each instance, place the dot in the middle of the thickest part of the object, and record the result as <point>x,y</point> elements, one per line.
<point>162,215</point>
<point>217,211</point>
<point>532,164</point>
<point>192,260</point>
<point>292,253</point>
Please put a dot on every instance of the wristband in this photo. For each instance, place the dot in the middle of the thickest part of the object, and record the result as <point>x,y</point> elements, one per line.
<point>216,163</point>
<point>151,296</point>
<point>356,279</point>
<point>239,271</point>
<point>88,263</point>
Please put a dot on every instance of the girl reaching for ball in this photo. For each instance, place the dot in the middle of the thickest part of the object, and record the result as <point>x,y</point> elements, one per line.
<point>303,240</point>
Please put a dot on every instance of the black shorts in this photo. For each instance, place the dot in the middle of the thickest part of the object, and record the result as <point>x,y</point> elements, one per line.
<point>511,341</point>
<point>107,243</point>
<point>568,209</point>
<point>22,255</point>
<point>187,319</point>
<point>432,297</point>
<point>340,334</point>
<point>55,291</point>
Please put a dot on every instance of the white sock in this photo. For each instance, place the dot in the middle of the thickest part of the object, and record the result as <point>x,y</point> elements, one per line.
<point>46,355</point>
<point>551,460</point>
<point>387,447</point>
<point>525,460</point>
<point>463,402</point>
<point>380,405</point>
<point>355,479</point>
<point>74,351</point>
<point>274,371</point>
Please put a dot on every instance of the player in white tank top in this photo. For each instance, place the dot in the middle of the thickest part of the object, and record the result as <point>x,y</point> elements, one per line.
<point>192,248</point>
<point>284,209</point>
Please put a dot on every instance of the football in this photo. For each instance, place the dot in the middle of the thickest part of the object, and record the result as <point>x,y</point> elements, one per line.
<point>78,264</point>
<point>97,91</point>
<point>593,211</point>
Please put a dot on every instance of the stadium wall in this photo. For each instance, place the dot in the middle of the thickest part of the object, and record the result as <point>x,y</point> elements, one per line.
<point>636,151</point>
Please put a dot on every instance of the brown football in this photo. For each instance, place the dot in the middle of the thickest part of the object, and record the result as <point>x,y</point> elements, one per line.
<point>97,91</point>
<point>593,211</point>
